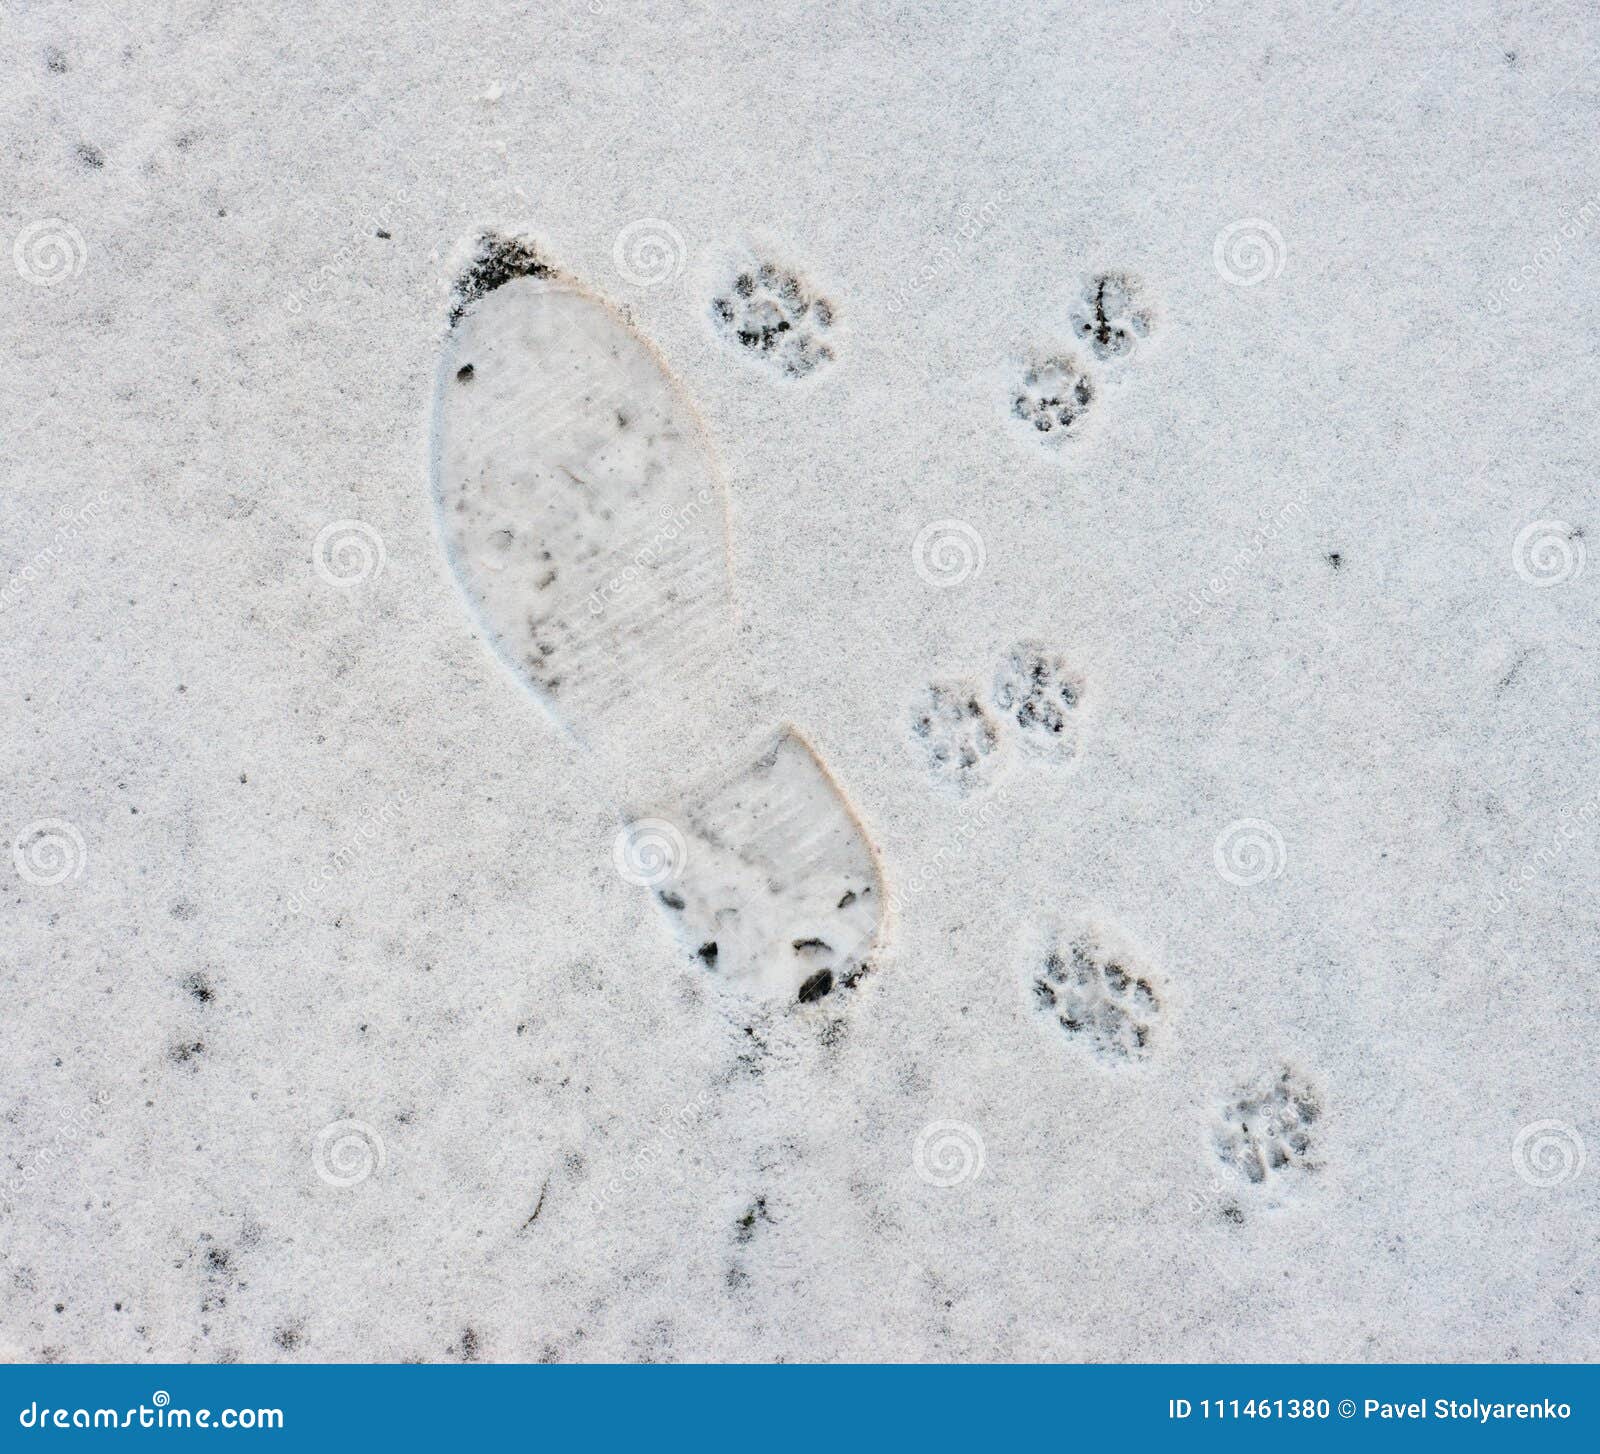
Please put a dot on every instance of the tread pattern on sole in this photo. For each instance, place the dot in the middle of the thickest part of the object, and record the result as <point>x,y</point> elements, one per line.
<point>586,523</point>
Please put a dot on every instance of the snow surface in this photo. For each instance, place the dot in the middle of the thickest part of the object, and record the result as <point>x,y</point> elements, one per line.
<point>332,1029</point>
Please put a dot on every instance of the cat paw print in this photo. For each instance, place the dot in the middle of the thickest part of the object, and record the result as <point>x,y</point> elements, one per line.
<point>1265,1135</point>
<point>957,733</point>
<point>1112,314</point>
<point>1036,706</point>
<point>1053,397</point>
<point>1039,692</point>
<point>1097,991</point>
<point>771,315</point>
<point>1055,392</point>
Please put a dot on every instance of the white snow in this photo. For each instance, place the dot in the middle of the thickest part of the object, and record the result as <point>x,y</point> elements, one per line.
<point>319,975</point>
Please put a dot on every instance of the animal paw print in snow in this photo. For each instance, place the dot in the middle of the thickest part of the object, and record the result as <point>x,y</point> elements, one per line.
<point>1038,690</point>
<point>1037,700</point>
<point>1100,996</point>
<point>1111,315</point>
<point>1265,1130</point>
<point>1055,392</point>
<point>958,733</point>
<point>771,315</point>
<point>1054,396</point>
